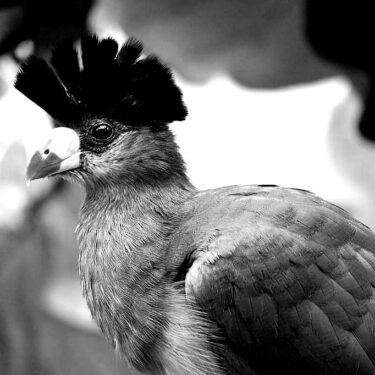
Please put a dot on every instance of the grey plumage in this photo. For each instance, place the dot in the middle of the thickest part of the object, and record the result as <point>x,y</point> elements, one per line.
<point>237,280</point>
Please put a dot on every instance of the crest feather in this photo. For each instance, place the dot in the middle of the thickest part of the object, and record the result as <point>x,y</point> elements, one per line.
<point>39,83</point>
<point>65,62</point>
<point>129,53</point>
<point>112,83</point>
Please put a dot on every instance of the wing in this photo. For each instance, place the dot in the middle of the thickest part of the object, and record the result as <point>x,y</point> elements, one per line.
<point>289,278</point>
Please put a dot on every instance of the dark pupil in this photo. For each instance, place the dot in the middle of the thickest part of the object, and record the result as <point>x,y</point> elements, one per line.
<point>102,132</point>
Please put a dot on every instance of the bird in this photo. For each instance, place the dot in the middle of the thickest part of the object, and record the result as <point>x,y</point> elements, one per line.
<point>247,279</point>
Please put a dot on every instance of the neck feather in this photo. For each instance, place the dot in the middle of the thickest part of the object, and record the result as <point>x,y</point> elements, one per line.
<point>123,236</point>
<point>127,275</point>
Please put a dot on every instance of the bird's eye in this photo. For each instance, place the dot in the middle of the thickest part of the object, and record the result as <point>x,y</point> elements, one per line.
<point>102,132</point>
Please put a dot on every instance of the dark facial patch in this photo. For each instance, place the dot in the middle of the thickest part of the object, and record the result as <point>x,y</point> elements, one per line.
<point>88,134</point>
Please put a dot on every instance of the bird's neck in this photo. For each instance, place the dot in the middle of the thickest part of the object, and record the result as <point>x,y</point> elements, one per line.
<point>123,240</point>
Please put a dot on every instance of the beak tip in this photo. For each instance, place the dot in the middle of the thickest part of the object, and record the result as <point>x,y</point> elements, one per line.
<point>63,154</point>
<point>33,167</point>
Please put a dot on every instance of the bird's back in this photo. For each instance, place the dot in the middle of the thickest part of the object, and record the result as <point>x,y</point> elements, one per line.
<point>288,277</point>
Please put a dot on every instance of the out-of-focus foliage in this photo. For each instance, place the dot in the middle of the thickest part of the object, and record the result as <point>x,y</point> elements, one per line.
<point>342,32</point>
<point>260,43</point>
<point>43,21</point>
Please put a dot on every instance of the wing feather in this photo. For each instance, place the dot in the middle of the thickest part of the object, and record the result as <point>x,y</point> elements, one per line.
<point>288,277</point>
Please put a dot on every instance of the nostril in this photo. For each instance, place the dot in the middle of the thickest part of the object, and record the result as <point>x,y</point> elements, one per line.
<point>46,151</point>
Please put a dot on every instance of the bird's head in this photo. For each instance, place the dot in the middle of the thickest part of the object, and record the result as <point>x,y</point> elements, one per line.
<point>112,108</point>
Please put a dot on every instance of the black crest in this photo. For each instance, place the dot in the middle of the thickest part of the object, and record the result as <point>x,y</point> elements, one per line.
<point>102,81</point>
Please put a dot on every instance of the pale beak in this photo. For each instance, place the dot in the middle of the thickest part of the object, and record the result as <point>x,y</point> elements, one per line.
<point>61,153</point>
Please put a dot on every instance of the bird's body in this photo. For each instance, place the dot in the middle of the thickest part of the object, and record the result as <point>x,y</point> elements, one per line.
<point>288,277</point>
<point>237,280</point>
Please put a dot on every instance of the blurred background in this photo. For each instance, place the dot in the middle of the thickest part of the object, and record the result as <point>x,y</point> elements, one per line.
<point>278,92</point>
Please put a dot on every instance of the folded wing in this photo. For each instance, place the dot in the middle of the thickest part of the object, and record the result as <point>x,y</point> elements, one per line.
<point>289,279</point>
